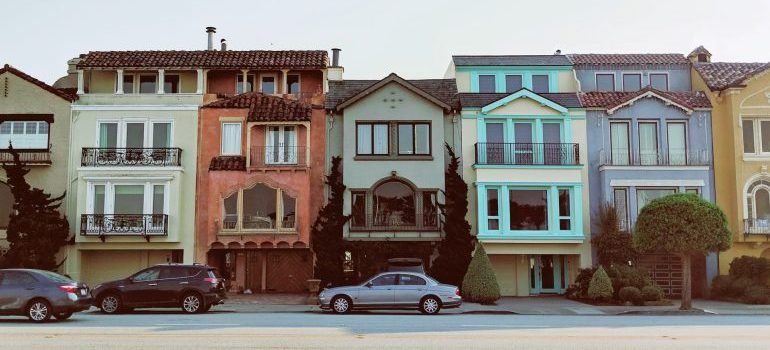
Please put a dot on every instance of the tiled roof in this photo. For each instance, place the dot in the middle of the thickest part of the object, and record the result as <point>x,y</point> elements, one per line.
<point>228,163</point>
<point>444,90</point>
<point>628,59</point>
<point>612,99</point>
<point>255,59</point>
<point>265,107</point>
<point>511,60</point>
<point>63,93</point>
<point>565,99</point>
<point>723,75</point>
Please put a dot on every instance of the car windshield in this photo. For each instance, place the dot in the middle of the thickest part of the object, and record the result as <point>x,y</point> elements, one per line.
<point>56,277</point>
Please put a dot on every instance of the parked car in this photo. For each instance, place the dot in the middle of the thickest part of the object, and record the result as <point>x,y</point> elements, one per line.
<point>40,294</point>
<point>194,288</point>
<point>392,290</point>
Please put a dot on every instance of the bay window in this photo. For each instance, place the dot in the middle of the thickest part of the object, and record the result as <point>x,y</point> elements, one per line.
<point>394,205</point>
<point>493,209</point>
<point>645,196</point>
<point>134,198</point>
<point>135,134</point>
<point>259,208</point>
<point>529,210</point>
<point>24,134</point>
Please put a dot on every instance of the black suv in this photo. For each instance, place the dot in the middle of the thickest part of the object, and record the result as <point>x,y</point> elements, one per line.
<point>195,288</point>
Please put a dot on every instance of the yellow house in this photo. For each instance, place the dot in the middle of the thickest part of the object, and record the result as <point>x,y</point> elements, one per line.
<point>740,95</point>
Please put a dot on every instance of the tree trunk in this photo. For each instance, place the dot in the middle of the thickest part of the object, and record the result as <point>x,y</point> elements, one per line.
<point>687,282</point>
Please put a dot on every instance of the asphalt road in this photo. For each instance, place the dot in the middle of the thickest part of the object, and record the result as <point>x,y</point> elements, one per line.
<point>170,330</point>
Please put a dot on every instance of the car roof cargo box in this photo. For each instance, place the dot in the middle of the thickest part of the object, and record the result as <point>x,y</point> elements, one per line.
<point>406,264</point>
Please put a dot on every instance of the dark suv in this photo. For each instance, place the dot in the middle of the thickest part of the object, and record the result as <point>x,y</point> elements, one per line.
<point>195,288</point>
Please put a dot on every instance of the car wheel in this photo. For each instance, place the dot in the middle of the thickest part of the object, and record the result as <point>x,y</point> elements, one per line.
<point>110,304</point>
<point>39,311</point>
<point>63,315</point>
<point>192,303</point>
<point>430,305</point>
<point>341,305</point>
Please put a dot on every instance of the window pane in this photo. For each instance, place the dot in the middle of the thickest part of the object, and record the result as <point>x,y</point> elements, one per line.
<point>677,145</point>
<point>528,209</point>
<point>605,82</point>
<point>42,128</point>
<point>108,135</point>
<point>129,199</point>
<point>632,82</point>
<point>621,206</point>
<point>128,84</point>
<point>540,83</point>
<point>259,207</point>
<point>405,139</point>
<point>134,135</point>
<point>147,84</point>
<point>381,139</point>
<point>268,85</point>
<point>292,83</point>
<point>659,81</point>
<point>6,205</point>
<point>486,83</point>
<point>98,199</point>
<point>551,133</point>
<point>5,129</point>
<point>358,213</point>
<point>422,139</point>
<point>18,128</point>
<point>564,210</point>
<point>765,135</point>
<point>495,133</point>
<point>762,199</point>
<point>289,210</point>
<point>231,211</point>
<point>364,137</point>
<point>231,138</point>
<point>157,199</point>
<point>513,83</point>
<point>648,143</point>
<point>492,203</point>
<point>394,205</point>
<point>429,209</point>
<point>619,143</point>
<point>748,136</point>
<point>645,196</point>
<point>30,128</point>
<point>522,132</point>
<point>161,135</point>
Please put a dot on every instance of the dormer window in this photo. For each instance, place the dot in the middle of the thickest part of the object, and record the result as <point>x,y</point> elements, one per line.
<point>487,83</point>
<point>632,82</point>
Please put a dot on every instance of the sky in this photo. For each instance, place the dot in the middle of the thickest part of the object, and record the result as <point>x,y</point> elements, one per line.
<point>413,38</point>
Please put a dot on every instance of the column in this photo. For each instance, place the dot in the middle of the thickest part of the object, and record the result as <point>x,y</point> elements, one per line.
<point>199,89</point>
<point>161,80</point>
<point>81,90</point>
<point>119,84</point>
<point>284,88</point>
<point>245,81</point>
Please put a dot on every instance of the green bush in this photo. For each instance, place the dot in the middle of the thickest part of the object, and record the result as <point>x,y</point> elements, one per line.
<point>579,289</point>
<point>480,283</point>
<point>756,269</point>
<point>738,286</point>
<point>612,246</point>
<point>631,294</point>
<point>600,287</point>
<point>720,286</point>
<point>756,295</point>
<point>652,293</point>
<point>628,276</point>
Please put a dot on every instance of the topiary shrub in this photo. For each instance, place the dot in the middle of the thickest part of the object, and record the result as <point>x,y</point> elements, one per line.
<point>756,295</point>
<point>600,287</point>
<point>631,294</point>
<point>720,286</point>
<point>756,269</point>
<point>652,293</point>
<point>480,283</point>
<point>738,287</point>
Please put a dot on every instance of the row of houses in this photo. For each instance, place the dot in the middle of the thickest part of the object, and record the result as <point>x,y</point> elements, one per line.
<point>220,156</point>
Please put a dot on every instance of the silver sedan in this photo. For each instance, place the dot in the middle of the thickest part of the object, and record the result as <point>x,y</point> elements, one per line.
<point>392,290</point>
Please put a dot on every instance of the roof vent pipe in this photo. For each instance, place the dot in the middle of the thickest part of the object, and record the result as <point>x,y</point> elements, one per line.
<point>210,31</point>
<point>558,52</point>
<point>223,42</point>
<point>336,57</point>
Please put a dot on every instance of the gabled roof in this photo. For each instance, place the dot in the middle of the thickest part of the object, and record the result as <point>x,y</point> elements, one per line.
<point>511,60</point>
<point>265,107</point>
<point>565,99</point>
<point>723,75</point>
<point>698,51</point>
<point>627,59</point>
<point>253,59</point>
<point>342,93</point>
<point>614,100</point>
<point>63,93</point>
<point>524,93</point>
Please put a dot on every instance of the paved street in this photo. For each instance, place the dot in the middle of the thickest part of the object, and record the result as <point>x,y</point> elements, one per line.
<point>229,330</point>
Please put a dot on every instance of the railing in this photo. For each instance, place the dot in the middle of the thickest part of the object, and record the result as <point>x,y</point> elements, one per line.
<point>756,227</point>
<point>100,157</point>
<point>278,156</point>
<point>256,222</point>
<point>31,156</point>
<point>488,153</point>
<point>419,222</point>
<point>622,157</point>
<point>144,225</point>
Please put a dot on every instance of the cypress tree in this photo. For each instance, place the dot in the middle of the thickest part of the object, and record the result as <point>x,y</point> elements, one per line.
<point>326,234</point>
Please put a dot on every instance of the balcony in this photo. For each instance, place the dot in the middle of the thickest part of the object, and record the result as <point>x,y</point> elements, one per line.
<point>757,227</point>
<point>131,157</point>
<point>527,153</point>
<point>27,156</point>
<point>622,157</point>
<point>124,225</point>
<point>265,157</point>
<point>393,222</point>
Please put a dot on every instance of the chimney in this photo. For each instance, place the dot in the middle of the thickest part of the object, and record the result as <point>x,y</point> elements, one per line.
<point>558,52</point>
<point>223,42</point>
<point>336,57</point>
<point>210,31</point>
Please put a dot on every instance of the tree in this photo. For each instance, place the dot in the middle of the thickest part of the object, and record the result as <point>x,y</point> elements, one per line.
<point>36,229</point>
<point>326,234</point>
<point>456,249</point>
<point>600,287</point>
<point>480,283</point>
<point>613,246</point>
<point>684,225</point>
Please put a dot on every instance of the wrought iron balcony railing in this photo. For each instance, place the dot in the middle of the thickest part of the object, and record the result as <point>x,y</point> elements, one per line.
<point>28,156</point>
<point>106,157</point>
<point>623,157</point>
<point>278,156</point>
<point>393,222</point>
<point>143,225</point>
<point>489,153</point>
<point>756,227</point>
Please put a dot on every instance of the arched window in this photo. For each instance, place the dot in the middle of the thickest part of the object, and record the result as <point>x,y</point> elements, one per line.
<point>758,206</point>
<point>394,204</point>
<point>259,207</point>
<point>6,205</point>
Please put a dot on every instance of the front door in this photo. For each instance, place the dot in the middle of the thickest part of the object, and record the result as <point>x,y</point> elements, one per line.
<point>548,274</point>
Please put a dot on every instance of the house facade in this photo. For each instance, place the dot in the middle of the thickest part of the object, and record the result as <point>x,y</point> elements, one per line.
<point>261,173</point>
<point>34,119</point>
<point>390,134</point>
<point>649,136</point>
<point>523,155</point>
<point>740,95</point>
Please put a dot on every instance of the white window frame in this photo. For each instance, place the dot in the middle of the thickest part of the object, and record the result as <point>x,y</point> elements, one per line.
<point>122,127</point>
<point>614,80</point>
<point>222,138</point>
<point>10,124</point>
<point>109,194</point>
<point>275,82</point>
<point>283,158</point>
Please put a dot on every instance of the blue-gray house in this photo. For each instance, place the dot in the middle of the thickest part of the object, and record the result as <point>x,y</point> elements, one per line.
<point>649,135</point>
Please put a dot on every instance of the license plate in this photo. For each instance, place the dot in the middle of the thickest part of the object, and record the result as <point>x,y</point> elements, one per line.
<point>83,292</point>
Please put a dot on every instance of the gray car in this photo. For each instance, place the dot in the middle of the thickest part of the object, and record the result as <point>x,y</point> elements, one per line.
<point>392,290</point>
<point>40,294</point>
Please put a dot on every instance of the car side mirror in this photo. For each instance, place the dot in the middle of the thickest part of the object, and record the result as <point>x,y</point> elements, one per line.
<point>368,285</point>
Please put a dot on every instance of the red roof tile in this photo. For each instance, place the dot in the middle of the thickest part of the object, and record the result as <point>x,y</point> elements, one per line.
<point>63,93</point>
<point>723,75</point>
<point>610,100</point>
<point>254,59</point>
<point>266,108</point>
<point>628,59</point>
<point>228,163</point>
